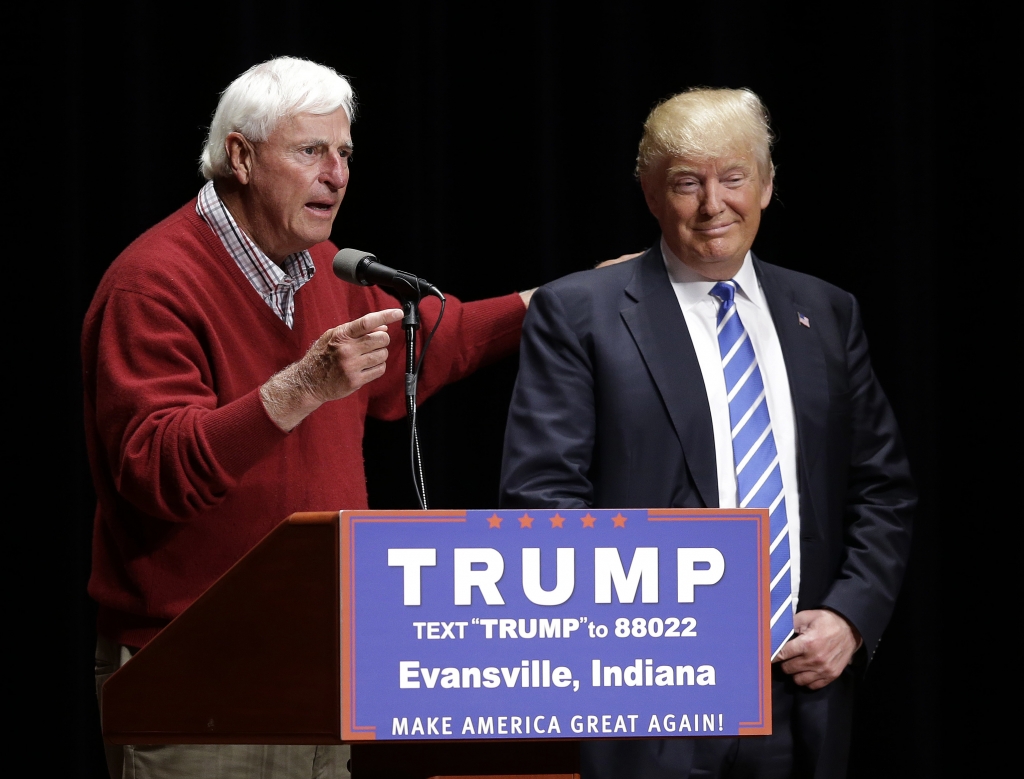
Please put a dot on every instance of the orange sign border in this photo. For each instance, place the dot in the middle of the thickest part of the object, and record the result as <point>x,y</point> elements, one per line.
<point>348,520</point>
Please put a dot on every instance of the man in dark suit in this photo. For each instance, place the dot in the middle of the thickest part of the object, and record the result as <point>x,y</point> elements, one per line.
<point>697,375</point>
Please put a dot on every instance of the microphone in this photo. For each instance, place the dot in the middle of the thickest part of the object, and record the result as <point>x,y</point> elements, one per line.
<point>362,268</point>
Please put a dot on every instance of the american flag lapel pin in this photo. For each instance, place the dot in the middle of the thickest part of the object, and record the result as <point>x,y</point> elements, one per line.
<point>803,319</point>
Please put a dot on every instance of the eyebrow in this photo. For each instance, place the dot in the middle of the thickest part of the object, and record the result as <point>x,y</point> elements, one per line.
<point>323,142</point>
<point>677,169</point>
<point>742,165</point>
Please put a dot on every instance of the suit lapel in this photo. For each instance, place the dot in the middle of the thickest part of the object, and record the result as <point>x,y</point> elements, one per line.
<point>808,387</point>
<point>659,330</point>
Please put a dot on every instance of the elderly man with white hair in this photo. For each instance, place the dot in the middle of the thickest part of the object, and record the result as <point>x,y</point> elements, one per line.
<point>697,375</point>
<point>209,417</point>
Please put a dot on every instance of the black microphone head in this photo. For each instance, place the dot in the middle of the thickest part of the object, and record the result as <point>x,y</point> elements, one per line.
<point>346,264</point>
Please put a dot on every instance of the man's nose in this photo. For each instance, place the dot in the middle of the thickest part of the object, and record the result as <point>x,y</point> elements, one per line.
<point>711,203</point>
<point>334,171</point>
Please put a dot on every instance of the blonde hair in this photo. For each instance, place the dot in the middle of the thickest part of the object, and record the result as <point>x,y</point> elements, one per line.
<point>706,123</point>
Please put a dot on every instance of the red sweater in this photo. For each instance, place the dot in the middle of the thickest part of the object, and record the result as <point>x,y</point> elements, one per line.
<point>190,472</point>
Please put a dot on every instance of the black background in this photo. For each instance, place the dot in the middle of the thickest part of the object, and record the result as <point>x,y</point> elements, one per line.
<point>495,147</point>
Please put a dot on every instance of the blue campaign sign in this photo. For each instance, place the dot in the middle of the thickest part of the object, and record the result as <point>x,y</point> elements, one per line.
<point>633,623</point>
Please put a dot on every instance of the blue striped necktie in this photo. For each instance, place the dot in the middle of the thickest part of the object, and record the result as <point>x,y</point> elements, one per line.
<point>758,472</point>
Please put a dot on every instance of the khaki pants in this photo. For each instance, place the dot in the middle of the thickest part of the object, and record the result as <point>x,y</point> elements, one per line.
<point>212,761</point>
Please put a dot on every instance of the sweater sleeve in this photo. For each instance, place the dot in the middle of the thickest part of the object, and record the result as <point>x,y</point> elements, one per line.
<point>470,336</point>
<point>172,447</point>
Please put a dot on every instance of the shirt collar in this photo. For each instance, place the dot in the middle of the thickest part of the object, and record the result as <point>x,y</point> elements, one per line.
<point>276,284</point>
<point>693,289</point>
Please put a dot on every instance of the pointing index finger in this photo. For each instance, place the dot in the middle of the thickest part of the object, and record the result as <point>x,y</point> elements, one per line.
<point>373,321</point>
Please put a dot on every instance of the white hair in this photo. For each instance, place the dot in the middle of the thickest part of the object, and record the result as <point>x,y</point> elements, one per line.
<point>257,100</point>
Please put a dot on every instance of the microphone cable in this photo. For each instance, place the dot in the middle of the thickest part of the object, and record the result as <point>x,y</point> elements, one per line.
<point>415,454</point>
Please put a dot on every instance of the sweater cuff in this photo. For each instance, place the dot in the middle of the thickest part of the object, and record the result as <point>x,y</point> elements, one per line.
<point>241,433</point>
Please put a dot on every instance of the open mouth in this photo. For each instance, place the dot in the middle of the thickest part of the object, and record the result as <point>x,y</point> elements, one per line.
<point>320,206</point>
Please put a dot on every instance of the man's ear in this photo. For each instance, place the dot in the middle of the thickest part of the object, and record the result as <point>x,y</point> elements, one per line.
<point>652,195</point>
<point>766,196</point>
<point>240,156</point>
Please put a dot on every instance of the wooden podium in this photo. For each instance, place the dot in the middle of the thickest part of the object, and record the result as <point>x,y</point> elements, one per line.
<point>257,660</point>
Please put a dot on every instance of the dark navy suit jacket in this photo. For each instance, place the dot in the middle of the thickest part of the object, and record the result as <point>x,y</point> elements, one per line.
<point>610,411</point>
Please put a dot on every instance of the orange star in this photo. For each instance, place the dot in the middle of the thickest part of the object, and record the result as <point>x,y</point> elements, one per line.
<point>557,520</point>
<point>588,520</point>
<point>619,520</point>
<point>526,521</point>
<point>494,521</point>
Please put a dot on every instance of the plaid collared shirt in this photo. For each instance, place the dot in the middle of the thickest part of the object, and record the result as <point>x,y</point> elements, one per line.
<point>275,285</point>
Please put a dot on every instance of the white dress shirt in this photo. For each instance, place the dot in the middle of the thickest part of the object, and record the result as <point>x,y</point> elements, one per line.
<point>700,310</point>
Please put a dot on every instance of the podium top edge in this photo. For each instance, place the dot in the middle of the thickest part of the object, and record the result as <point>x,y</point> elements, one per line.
<point>313,518</point>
